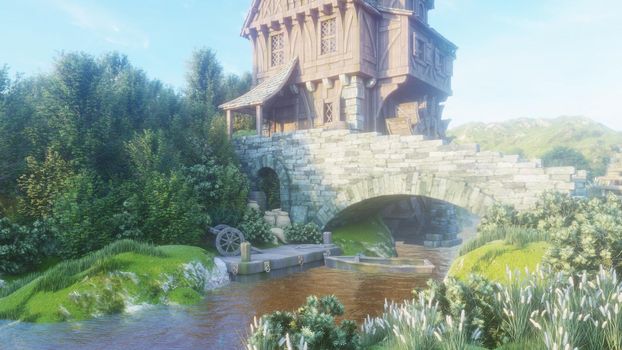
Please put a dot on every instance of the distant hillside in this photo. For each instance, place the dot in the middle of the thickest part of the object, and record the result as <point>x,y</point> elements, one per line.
<point>534,137</point>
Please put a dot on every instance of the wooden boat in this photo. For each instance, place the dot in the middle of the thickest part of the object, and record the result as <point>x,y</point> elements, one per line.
<point>380,265</point>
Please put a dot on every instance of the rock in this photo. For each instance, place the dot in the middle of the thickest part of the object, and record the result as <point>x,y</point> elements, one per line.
<point>2,284</point>
<point>279,233</point>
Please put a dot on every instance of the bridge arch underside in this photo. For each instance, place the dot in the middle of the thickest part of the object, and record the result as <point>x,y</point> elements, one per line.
<point>411,219</point>
<point>389,188</point>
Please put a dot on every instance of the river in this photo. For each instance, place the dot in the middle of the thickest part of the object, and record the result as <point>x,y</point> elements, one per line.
<point>221,321</point>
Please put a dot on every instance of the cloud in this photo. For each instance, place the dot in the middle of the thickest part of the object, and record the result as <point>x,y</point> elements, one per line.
<point>103,24</point>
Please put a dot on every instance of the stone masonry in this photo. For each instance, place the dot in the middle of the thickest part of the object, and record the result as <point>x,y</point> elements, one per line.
<point>323,172</point>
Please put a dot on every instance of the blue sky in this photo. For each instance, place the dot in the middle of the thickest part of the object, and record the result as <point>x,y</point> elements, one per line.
<point>527,58</point>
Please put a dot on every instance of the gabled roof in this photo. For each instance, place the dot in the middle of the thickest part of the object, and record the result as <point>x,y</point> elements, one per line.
<point>263,92</point>
<point>250,15</point>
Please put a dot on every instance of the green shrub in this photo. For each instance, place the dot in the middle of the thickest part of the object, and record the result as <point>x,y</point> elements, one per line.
<point>165,210</point>
<point>303,233</point>
<point>22,247</point>
<point>255,228</point>
<point>593,239</point>
<point>475,298</point>
<point>222,190</point>
<point>313,325</point>
<point>82,216</point>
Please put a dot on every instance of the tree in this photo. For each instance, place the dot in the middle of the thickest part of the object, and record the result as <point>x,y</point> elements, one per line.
<point>235,86</point>
<point>205,82</point>
<point>565,156</point>
<point>4,83</point>
<point>43,183</point>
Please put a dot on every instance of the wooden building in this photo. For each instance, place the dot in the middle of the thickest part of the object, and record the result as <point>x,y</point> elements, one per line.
<point>366,65</point>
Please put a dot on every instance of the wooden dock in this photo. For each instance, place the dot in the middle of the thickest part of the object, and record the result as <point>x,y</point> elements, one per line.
<point>280,258</point>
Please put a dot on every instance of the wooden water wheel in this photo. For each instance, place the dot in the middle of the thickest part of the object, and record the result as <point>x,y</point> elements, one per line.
<point>228,240</point>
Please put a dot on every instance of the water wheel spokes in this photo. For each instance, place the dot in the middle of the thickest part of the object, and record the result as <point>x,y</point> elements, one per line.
<point>228,241</point>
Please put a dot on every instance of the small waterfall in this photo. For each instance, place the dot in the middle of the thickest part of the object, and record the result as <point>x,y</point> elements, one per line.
<point>219,276</point>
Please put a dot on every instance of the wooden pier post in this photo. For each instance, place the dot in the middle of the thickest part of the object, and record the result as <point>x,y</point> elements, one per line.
<point>245,250</point>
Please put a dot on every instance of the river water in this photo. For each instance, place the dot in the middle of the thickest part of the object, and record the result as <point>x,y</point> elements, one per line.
<point>221,321</point>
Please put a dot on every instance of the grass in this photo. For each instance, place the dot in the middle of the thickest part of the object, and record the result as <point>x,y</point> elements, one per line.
<point>491,260</point>
<point>102,282</point>
<point>370,237</point>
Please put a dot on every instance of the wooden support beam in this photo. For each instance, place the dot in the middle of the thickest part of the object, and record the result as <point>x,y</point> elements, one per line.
<point>229,124</point>
<point>327,9</point>
<point>259,119</point>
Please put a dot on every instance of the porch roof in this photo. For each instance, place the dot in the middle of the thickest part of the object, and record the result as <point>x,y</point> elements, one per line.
<point>261,93</point>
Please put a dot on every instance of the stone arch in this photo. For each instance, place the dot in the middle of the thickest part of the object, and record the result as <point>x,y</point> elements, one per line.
<point>459,193</point>
<point>270,162</point>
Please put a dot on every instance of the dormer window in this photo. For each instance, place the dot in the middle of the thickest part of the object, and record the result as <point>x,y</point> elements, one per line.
<point>277,46</point>
<point>328,36</point>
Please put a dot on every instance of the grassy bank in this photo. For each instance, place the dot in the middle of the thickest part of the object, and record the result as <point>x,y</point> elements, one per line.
<point>491,260</point>
<point>370,237</point>
<point>109,281</point>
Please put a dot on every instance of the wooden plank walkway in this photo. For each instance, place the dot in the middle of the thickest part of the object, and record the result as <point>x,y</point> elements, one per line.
<point>280,258</point>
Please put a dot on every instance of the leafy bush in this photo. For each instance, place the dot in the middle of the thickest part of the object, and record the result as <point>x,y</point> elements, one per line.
<point>82,217</point>
<point>473,301</point>
<point>222,190</point>
<point>22,247</point>
<point>593,239</point>
<point>255,228</point>
<point>165,211</point>
<point>312,326</point>
<point>303,233</point>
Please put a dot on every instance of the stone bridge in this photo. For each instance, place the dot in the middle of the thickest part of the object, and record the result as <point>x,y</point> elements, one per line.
<point>322,173</point>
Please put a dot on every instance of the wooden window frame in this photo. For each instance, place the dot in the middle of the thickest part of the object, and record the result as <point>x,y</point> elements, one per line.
<point>328,112</point>
<point>276,61</point>
<point>330,38</point>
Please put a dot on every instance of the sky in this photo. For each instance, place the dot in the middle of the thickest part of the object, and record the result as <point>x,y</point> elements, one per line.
<point>527,58</point>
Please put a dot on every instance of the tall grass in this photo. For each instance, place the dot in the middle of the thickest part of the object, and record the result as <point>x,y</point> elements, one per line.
<point>554,311</point>
<point>515,235</point>
<point>68,272</point>
<point>417,325</point>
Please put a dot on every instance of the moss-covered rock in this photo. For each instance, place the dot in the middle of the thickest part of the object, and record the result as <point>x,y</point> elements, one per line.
<point>493,259</point>
<point>369,237</point>
<point>113,284</point>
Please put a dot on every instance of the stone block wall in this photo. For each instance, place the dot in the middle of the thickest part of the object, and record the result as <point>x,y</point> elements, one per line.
<point>323,172</point>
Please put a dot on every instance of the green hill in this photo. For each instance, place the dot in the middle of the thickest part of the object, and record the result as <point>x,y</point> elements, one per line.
<point>532,138</point>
